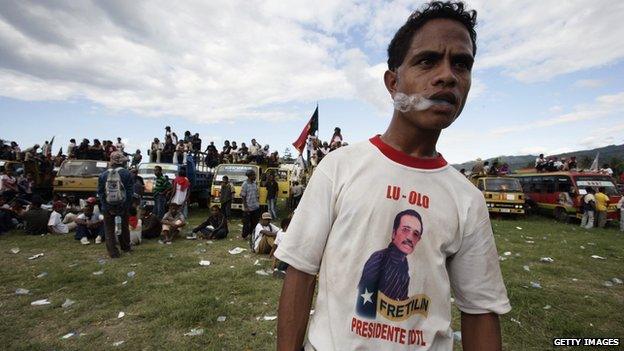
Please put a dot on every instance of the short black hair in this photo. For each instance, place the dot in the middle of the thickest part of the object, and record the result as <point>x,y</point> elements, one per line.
<point>454,10</point>
<point>397,219</point>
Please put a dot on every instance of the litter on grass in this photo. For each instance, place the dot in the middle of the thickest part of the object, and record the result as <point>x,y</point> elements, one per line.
<point>42,302</point>
<point>536,285</point>
<point>617,281</point>
<point>194,332</point>
<point>516,321</point>
<point>72,265</point>
<point>598,257</point>
<point>121,315</point>
<point>269,318</point>
<point>68,335</point>
<point>36,256</point>
<point>257,263</point>
<point>15,250</point>
<point>574,280</point>
<point>131,274</point>
<point>124,282</point>
<point>118,343</point>
<point>507,253</point>
<point>457,336</point>
<point>526,268</point>
<point>204,263</point>
<point>547,307</point>
<point>547,260</point>
<point>98,273</point>
<point>263,272</point>
<point>519,228</point>
<point>42,274</point>
<point>607,283</point>
<point>101,261</point>
<point>530,242</point>
<point>68,303</point>
<point>221,318</point>
<point>209,242</point>
<point>236,250</point>
<point>22,291</point>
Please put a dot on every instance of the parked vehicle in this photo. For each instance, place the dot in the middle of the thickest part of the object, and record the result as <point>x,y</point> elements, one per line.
<point>560,193</point>
<point>199,176</point>
<point>78,178</point>
<point>502,194</point>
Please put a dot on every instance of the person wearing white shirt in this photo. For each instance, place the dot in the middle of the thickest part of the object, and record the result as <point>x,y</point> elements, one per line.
<point>120,145</point>
<point>264,235</point>
<point>620,206</point>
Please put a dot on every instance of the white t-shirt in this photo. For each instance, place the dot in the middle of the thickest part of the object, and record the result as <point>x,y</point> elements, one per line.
<point>257,236</point>
<point>95,217</point>
<point>180,195</point>
<point>279,237</point>
<point>56,222</point>
<point>373,294</point>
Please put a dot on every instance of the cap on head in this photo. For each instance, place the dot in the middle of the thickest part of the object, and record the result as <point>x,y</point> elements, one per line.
<point>250,173</point>
<point>267,215</point>
<point>91,201</point>
<point>117,158</point>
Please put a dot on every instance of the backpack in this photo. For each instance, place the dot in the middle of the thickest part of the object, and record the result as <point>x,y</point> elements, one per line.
<point>114,189</point>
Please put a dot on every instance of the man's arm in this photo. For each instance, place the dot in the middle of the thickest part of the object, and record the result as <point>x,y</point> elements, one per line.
<point>480,332</point>
<point>294,309</point>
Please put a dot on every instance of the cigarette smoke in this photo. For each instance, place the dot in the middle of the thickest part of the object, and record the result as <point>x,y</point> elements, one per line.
<point>415,102</point>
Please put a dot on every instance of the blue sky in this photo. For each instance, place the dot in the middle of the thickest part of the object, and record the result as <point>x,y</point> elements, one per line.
<point>547,77</point>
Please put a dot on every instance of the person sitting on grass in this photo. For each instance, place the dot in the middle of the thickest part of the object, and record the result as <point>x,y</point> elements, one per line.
<point>36,218</point>
<point>215,227</point>
<point>150,224</point>
<point>264,235</point>
<point>135,226</point>
<point>59,225</point>
<point>279,267</point>
<point>172,222</point>
<point>89,225</point>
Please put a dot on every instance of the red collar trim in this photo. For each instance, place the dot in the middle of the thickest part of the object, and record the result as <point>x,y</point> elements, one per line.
<point>405,159</point>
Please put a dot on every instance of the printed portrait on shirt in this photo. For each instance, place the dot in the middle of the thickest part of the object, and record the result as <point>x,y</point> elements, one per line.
<point>384,286</point>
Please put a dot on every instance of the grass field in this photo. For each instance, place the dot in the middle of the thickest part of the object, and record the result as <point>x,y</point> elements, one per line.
<point>172,294</point>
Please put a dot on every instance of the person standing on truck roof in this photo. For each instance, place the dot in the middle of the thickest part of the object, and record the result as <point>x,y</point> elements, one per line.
<point>225,197</point>
<point>161,190</point>
<point>348,215</point>
<point>251,203</point>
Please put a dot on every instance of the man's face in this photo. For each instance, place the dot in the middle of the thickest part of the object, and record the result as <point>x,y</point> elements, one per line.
<point>265,222</point>
<point>173,209</point>
<point>214,211</point>
<point>88,210</point>
<point>158,172</point>
<point>437,66</point>
<point>407,235</point>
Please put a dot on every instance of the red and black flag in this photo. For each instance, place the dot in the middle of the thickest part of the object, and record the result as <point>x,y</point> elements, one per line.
<point>310,128</point>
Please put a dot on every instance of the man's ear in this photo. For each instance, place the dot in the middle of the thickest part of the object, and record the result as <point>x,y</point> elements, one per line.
<point>391,81</point>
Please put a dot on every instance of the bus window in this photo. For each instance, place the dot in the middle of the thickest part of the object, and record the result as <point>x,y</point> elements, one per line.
<point>584,182</point>
<point>564,184</point>
<point>480,184</point>
<point>537,185</point>
<point>549,184</point>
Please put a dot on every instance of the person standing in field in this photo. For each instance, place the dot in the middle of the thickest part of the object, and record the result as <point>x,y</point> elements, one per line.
<point>602,203</point>
<point>389,226</point>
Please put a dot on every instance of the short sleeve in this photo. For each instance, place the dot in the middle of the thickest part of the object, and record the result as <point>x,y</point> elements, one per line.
<point>475,273</point>
<point>53,220</point>
<point>304,245</point>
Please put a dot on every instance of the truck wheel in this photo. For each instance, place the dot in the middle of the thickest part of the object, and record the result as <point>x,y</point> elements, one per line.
<point>561,215</point>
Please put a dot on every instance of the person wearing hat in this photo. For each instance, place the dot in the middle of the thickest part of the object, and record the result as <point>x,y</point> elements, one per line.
<point>251,203</point>
<point>115,190</point>
<point>56,223</point>
<point>89,224</point>
<point>264,235</point>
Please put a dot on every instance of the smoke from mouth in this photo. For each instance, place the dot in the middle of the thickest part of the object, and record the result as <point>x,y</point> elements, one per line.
<point>416,102</point>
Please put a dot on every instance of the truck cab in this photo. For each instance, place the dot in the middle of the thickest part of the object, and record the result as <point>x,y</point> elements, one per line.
<point>502,194</point>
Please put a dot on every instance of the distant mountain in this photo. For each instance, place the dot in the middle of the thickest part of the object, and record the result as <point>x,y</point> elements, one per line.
<point>584,157</point>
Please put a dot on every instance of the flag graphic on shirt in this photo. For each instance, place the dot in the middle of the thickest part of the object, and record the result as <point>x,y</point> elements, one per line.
<point>310,128</point>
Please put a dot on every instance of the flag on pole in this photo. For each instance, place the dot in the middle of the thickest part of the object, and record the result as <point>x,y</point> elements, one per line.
<point>310,128</point>
<point>594,165</point>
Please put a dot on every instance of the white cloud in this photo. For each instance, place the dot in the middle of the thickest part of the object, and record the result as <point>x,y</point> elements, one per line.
<point>604,106</point>
<point>537,40</point>
<point>604,136</point>
<point>589,83</point>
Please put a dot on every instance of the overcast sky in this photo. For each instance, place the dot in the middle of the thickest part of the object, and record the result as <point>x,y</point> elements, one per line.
<point>548,74</point>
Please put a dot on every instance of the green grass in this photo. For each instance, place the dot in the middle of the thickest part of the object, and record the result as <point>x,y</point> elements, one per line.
<point>171,293</point>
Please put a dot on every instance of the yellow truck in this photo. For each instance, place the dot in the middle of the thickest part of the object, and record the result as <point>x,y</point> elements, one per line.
<point>78,178</point>
<point>236,176</point>
<point>502,194</point>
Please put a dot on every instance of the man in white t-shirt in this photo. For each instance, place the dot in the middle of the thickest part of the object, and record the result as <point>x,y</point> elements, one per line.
<point>57,224</point>
<point>396,188</point>
<point>264,235</point>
